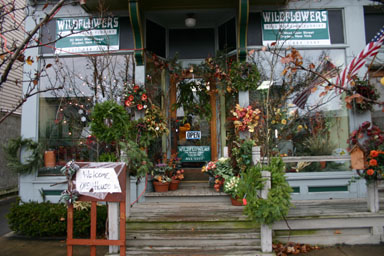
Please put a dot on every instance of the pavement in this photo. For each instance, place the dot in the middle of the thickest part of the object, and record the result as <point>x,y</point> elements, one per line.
<point>14,245</point>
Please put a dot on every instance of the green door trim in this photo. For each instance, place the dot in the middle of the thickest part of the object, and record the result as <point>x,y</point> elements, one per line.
<point>242,30</point>
<point>134,16</point>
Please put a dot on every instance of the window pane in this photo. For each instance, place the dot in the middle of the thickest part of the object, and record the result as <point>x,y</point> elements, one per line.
<point>183,43</point>
<point>336,26</point>
<point>64,115</point>
<point>227,36</point>
<point>254,29</point>
<point>321,127</point>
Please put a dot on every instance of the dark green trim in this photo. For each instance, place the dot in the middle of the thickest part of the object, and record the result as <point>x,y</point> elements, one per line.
<point>328,189</point>
<point>296,189</point>
<point>134,16</point>
<point>52,192</point>
<point>242,30</point>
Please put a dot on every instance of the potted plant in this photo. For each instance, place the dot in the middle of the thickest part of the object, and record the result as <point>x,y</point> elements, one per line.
<point>220,170</point>
<point>177,176</point>
<point>231,187</point>
<point>161,180</point>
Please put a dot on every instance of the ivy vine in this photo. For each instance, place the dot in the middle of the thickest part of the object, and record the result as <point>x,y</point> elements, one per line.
<point>276,206</point>
<point>30,164</point>
<point>242,153</point>
<point>194,98</point>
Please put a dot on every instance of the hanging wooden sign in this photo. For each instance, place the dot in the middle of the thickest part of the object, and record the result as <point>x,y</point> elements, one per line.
<point>357,158</point>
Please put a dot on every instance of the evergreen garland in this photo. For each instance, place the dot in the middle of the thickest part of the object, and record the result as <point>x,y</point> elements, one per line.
<point>12,155</point>
<point>109,122</point>
<point>244,76</point>
<point>276,206</point>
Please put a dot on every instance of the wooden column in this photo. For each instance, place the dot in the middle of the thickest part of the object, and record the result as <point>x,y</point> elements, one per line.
<point>223,117</point>
<point>213,122</point>
<point>172,97</point>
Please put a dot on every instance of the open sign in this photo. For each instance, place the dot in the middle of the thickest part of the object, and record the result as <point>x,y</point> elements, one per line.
<point>193,135</point>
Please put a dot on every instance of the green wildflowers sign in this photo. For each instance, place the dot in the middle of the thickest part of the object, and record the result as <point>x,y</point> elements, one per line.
<point>87,34</point>
<point>194,153</point>
<point>296,27</point>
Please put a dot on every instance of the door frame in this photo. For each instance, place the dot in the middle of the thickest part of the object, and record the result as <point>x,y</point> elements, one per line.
<point>213,122</point>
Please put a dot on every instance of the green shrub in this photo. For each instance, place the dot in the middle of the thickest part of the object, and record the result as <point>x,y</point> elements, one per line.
<point>50,220</point>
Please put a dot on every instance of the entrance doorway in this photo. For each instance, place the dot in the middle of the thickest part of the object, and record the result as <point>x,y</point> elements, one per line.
<point>193,118</point>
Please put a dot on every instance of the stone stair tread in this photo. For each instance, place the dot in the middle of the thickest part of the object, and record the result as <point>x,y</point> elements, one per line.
<point>220,226</point>
<point>192,242</point>
<point>176,235</point>
<point>189,192</point>
<point>195,250</point>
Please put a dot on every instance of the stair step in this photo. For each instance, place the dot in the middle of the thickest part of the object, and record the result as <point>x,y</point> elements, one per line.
<point>194,174</point>
<point>196,250</point>
<point>186,212</point>
<point>192,234</point>
<point>225,226</point>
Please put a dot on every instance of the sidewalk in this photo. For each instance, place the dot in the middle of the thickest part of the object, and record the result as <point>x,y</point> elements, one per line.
<point>15,246</point>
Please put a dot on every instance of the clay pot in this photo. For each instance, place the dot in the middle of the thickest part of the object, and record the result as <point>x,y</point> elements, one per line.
<point>236,202</point>
<point>49,158</point>
<point>161,187</point>
<point>174,185</point>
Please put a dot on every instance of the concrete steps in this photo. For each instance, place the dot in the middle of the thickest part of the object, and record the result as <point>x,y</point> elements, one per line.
<point>187,224</point>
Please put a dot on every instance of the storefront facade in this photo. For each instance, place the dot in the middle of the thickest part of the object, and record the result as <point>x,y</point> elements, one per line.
<point>141,42</point>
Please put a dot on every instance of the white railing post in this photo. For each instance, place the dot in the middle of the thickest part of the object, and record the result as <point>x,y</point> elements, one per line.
<point>265,230</point>
<point>373,196</point>
<point>113,225</point>
<point>225,152</point>
<point>256,156</point>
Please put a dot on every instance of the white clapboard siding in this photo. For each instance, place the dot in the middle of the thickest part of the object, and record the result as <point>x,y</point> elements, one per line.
<point>10,93</point>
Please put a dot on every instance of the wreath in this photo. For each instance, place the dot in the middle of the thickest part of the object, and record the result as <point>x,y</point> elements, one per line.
<point>365,89</point>
<point>12,154</point>
<point>194,98</point>
<point>109,121</point>
<point>243,76</point>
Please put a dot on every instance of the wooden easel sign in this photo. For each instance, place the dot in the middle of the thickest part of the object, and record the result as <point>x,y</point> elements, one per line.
<point>97,182</point>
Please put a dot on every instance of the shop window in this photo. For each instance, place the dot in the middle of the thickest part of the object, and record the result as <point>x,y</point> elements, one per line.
<point>64,115</point>
<point>320,127</point>
<point>183,43</point>
<point>155,36</point>
<point>227,36</point>
<point>374,20</point>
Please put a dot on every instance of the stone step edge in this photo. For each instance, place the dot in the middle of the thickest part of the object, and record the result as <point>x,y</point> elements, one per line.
<point>195,194</point>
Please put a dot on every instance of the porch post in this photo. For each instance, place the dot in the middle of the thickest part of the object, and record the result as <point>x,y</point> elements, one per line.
<point>373,196</point>
<point>244,102</point>
<point>265,230</point>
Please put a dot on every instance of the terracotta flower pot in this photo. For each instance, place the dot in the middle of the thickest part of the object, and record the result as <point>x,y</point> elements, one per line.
<point>174,185</point>
<point>161,187</point>
<point>236,202</point>
<point>49,158</point>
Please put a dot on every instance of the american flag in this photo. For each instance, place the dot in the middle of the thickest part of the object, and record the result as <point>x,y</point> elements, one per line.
<point>369,51</point>
<point>328,71</point>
